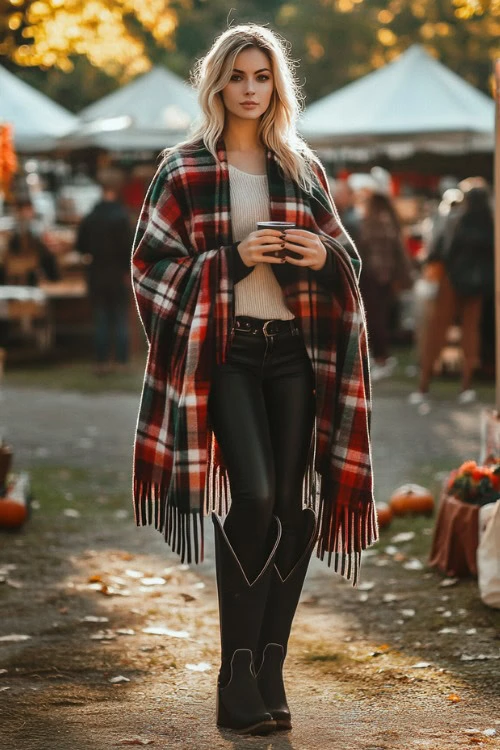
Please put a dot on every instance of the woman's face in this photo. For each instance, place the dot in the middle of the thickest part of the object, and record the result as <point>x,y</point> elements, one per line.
<point>249,92</point>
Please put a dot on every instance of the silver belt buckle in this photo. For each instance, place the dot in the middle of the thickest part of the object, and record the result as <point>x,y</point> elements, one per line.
<point>264,329</point>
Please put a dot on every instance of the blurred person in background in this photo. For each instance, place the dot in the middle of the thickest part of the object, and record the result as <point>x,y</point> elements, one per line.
<point>27,260</point>
<point>344,197</point>
<point>465,251</point>
<point>386,270</point>
<point>255,403</point>
<point>104,238</point>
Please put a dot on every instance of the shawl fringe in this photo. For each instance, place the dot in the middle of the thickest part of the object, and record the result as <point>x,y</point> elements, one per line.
<point>344,531</point>
<point>183,532</point>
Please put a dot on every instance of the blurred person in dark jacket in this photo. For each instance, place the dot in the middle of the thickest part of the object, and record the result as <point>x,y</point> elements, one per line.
<point>105,237</point>
<point>386,270</point>
<point>466,252</point>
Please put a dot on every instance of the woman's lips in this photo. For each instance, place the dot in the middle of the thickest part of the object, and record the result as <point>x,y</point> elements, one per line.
<point>249,105</point>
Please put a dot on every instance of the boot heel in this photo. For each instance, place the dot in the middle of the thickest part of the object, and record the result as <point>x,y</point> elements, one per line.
<point>239,704</point>
<point>226,721</point>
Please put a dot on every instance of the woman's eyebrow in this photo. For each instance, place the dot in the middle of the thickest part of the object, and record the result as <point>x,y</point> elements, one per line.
<point>235,70</point>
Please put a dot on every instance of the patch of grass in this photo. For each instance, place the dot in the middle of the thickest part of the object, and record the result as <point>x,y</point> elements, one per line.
<point>443,388</point>
<point>91,493</point>
<point>76,376</point>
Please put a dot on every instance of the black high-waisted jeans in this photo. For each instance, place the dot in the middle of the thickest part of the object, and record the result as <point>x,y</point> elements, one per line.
<point>261,407</point>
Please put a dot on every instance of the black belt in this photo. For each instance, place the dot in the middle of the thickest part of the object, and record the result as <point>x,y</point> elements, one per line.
<point>266,327</point>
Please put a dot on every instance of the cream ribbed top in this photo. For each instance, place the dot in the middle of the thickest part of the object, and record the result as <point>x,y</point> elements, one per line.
<point>258,294</point>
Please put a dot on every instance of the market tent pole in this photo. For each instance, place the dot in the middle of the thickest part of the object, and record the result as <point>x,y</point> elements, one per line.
<point>490,418</point>
<point>497,230</point>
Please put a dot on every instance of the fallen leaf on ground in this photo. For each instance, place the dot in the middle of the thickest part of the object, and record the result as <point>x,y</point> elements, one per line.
<point>421,665</point>
<point>94,618</point>
<point>413,565</point>
<point>159,630</point>
<point>201,667</point>
<point>14,638</point>
<point>3,671</point>
<point>6,569</point>
<point>447,631</point>
<point>71,513</point>
<point>4,688</point>
<point>404,536</point>
<point>448,582</point>
<point>118,679</point>
<point>95,579</point>
<point>388,598</point>
<point>135,741</point>
<point>103,635</point>
<point>134,574</point>
<point>14,584</point>
<point>188,597</point>
<point>454,698</point>
<point>125,556</point>
<point>125,631</point>
<point>366,586</point>
<point>153,581</point>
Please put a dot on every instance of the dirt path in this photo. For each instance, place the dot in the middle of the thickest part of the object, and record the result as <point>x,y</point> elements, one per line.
<point>399,663</point>
<point>352,673</point>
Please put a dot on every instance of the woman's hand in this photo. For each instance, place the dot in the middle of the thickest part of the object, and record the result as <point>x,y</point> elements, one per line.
<point>306,244</point>
<point>263,246</point>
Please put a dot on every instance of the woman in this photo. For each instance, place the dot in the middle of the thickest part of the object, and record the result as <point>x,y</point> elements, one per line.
<point>467,254</point>
<point>256,394</point>
<point>386,268</point>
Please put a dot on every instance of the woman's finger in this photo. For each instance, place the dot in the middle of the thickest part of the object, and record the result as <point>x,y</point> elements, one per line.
<point>297,261</point>
<point>300,239</point>
<point>300,232</point>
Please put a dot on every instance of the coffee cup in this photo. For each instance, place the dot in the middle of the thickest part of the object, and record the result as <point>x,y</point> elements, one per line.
<point>281,226</point>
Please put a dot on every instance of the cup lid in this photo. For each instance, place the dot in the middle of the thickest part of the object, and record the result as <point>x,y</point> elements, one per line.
<point>272,224</point>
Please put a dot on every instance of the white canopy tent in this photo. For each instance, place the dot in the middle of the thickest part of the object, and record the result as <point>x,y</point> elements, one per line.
<point>155,110</point>
<point>37,120</point>
<point>412,104</point>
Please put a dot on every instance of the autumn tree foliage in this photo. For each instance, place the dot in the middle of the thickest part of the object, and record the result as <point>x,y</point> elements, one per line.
<point>336,41</point>
<point>110,33</point>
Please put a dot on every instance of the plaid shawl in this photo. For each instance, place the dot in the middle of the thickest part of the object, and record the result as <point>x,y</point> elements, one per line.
<point>182,277</point>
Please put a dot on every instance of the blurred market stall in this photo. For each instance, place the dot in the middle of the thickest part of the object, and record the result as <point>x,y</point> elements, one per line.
<point>152,112</point>
<point>36,119</point>
<point>414,104</point>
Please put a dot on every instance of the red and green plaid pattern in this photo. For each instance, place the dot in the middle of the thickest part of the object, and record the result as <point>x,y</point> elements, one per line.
<point>183,285</point>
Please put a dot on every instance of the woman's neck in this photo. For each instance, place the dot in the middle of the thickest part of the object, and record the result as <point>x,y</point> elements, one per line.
<point>244,148</point>
<point>242,137</point>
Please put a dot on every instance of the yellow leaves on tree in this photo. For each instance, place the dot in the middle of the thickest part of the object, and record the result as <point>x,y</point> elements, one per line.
<point>470,8</point>
<point>48,33</point>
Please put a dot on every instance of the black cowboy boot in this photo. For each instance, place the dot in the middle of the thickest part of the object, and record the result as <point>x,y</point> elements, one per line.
<point>283,597</point>
<point>241,607</point>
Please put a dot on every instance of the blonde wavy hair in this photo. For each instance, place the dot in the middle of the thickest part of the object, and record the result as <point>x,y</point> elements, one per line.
<point>278,125</point>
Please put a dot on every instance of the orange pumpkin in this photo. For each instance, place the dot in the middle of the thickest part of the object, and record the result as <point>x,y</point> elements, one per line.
<point>12,513</point>
<point>384,515</point>
<point>411,498</point>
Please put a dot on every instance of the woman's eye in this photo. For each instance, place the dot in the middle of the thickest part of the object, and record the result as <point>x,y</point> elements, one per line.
<point>235,78</point>
<point>263,78</point>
